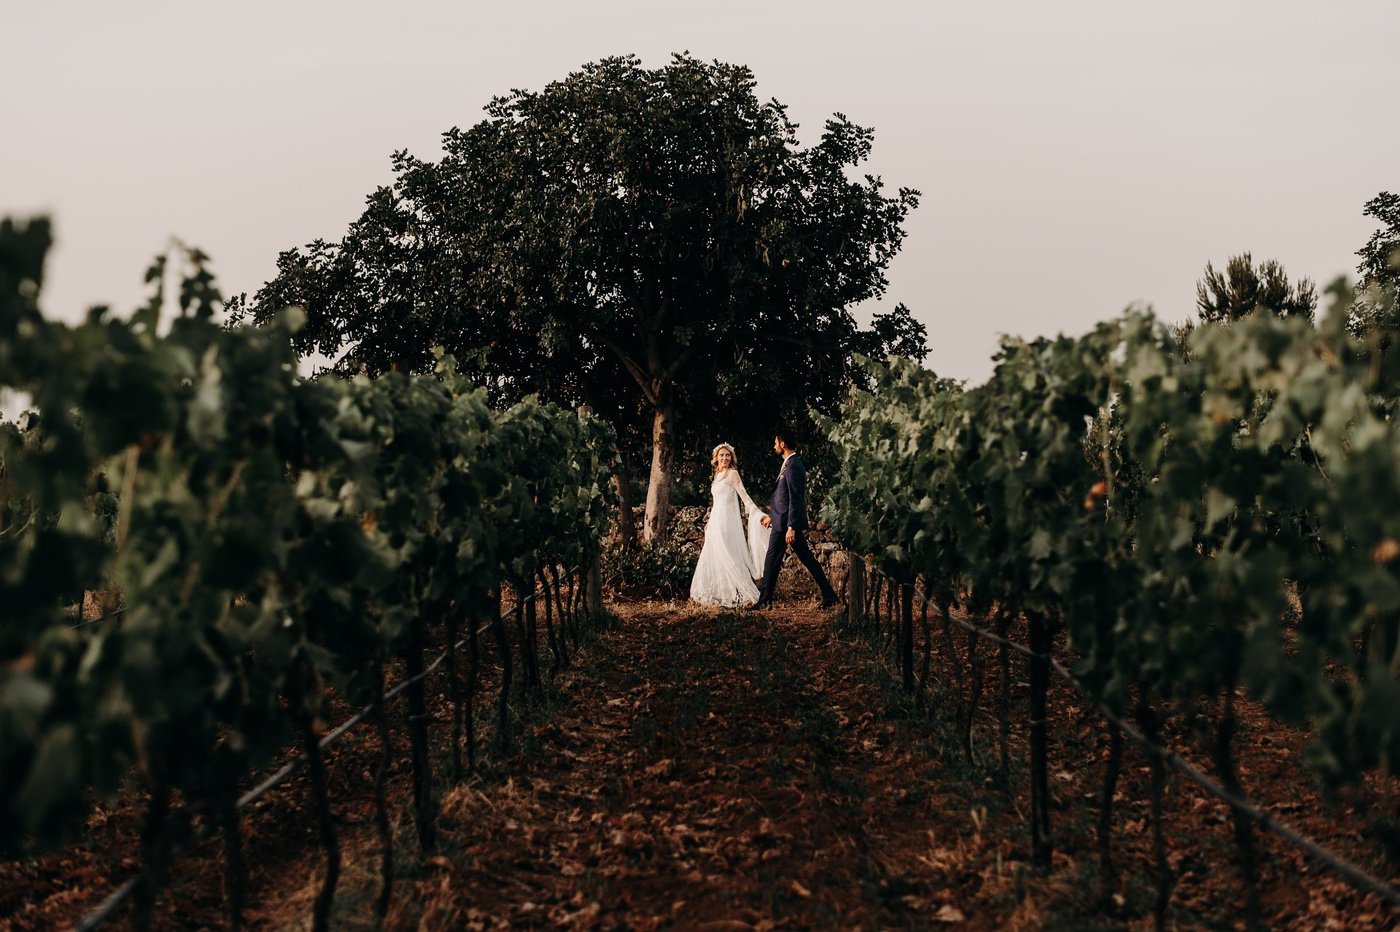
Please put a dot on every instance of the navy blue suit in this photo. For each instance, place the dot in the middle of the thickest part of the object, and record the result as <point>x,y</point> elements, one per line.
<point>788,509</point>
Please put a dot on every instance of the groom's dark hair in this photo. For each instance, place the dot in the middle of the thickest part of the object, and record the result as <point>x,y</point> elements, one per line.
<point>786,436</point>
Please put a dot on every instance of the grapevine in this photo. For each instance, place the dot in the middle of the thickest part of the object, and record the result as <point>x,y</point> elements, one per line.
<point>274,540</point>
<point>1182,524</point>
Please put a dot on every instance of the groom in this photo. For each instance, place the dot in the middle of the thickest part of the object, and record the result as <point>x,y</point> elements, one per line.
<point>787,520</point>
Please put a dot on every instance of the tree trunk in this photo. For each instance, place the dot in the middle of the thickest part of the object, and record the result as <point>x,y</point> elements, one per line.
<point>626,523</point>
<point>663,456</point>
<point>626,520</point>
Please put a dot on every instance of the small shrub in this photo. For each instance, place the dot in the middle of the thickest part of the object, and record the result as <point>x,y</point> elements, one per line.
<point>661,570</point>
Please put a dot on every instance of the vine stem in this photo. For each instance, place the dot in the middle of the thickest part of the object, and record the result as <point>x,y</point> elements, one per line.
<point>557,660</point>
<point>418,741</point>
<point>1244,831</point>
<point>1147,718</point>
<point>498,630</point>
<point>454,695</point>
<point>1264,819</point>
<point>1113,767</point>
<point>235,874</point>
<point>381,801</point>
<point>473,673</point>
<point>532,640</point>
<point>975,693</point>
<point>132,887</point>
<point>954,663</point>
<point>330,841</point>
<point>928,650</point>
<point>1004,718</point>
<point>155,850</point>
<point>1041,844</point>
<point>906,634</point>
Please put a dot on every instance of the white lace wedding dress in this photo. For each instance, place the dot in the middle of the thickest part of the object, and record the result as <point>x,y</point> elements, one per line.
<point>729,564</point>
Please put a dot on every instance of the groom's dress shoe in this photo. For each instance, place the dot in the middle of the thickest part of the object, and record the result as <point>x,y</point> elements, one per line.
<point>762,605</point>
<point>831,602</point>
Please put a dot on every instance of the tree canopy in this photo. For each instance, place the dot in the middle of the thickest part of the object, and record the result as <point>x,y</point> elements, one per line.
<point>1380,257</point>
<point>1241,288</point>
<point>655,243</point>
<point>1379,268</point>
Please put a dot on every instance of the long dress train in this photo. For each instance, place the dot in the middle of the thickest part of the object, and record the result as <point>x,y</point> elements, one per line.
<point>728,564</point>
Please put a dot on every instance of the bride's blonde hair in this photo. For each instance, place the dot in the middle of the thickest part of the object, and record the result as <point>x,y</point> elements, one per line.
<point>714,458</point>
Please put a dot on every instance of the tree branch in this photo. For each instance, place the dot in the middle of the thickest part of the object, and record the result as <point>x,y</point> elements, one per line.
<point>671,370</point>
<point>660,316</point>
<point>634,370</point>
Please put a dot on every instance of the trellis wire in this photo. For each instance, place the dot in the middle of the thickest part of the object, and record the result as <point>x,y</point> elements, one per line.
<point>104,910</point>
<point>1265,820</point>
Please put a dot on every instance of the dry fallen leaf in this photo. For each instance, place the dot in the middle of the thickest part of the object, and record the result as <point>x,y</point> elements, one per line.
<point>949,914</point>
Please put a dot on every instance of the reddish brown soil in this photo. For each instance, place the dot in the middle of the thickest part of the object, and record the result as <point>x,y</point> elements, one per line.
<point>753,770</point>
<point>707,768</point>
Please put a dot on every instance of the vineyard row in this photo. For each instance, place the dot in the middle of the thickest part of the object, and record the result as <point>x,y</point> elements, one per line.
<point>269,542</point>
<point>1184,518</point>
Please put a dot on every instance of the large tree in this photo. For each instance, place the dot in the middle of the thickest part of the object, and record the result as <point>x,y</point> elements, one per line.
<point>654,242</point>
<point>1379,269</point>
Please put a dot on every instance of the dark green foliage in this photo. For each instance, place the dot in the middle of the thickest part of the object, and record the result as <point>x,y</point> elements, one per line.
<point>1216,484</point>
<point>651,242</point>
<point>659,570</point>
<point>1380,266</point>
<point>1240,288</point>
<point>1379,269</point>
<point>272,536</point>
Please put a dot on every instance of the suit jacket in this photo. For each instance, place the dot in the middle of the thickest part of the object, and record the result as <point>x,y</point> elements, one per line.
<point>788,507</point>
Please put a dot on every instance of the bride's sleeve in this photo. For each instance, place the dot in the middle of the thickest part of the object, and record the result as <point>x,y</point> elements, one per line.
<point>738,484</point>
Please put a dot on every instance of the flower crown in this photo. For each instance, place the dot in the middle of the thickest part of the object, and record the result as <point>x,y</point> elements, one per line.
<point>722,446</point>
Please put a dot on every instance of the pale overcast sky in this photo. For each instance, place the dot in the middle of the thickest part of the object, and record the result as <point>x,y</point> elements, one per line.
<point>1074,157</point>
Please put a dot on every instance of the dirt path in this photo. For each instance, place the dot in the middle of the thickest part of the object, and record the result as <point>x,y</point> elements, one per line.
<point>717,770</point>
<point>739,770</point>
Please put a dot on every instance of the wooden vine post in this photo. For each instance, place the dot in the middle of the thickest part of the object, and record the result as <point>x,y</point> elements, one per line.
<point>906,634</point>
<point>855,590</point>
<point>423,808</point>
<point>1039,675</point>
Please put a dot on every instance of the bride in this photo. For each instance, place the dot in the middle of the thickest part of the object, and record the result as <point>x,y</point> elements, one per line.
<point>725,574</point>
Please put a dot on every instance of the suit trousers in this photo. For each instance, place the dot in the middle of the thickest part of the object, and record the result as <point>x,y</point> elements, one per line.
<point>773,561</point>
